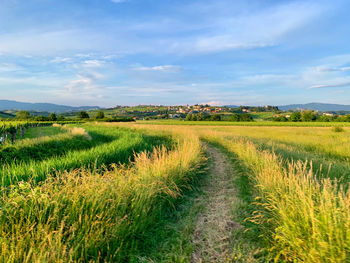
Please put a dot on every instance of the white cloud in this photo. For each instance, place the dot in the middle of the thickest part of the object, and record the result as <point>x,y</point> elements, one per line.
<point>61,60</point>
<point>254,28</point>
<point>325,69</point>
<point>9,67</point>
<point>94,63</point>
<point>207,31</point>
<point>163,68</point>
<point>332,72</point>
<point>39,81</point>
<point>331,85</point>
<point>85,83</point>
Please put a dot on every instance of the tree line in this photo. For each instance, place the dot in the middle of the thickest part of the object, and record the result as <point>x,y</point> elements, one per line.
<point>81,115</point>
<point>217,117</point>
<point>309,116</point>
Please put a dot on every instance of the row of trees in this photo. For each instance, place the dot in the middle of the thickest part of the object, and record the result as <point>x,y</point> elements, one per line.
<point>25,115</point>
<point>202,117</point>
<point>267,108</point>
<point>308,116</point>
<point>217,117</point>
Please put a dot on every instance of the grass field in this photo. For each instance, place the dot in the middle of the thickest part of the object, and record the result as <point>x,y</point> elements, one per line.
<point>242,123</point>
<point>142,192</point>
<point>42,131</point>
<point>294,184</point>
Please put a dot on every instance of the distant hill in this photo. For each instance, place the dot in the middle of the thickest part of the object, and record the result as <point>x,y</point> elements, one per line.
<point>48,107</point>
<point>316,106</point>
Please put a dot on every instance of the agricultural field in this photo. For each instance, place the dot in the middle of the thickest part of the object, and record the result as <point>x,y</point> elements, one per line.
<point>176,191</point>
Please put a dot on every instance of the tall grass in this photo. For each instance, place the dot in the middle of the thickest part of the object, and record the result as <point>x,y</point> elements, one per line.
<point>42,148</point>
<point>242,123</point>
<point>304,219</point>
<point>108,145</point>
<point>95,216</point>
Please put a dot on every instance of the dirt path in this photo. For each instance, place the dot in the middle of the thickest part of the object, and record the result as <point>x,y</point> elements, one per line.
<point>215,225</point>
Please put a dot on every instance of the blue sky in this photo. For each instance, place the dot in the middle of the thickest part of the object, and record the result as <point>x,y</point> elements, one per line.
<point>127,52</point>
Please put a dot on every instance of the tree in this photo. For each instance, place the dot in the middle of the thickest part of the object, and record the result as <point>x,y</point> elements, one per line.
<point>83,115</point>
<point>216,117</point>
<point>307,116</point>
<point>22,115</point>
<point>280,118</point>
<point>201,116</point>
<point>234,117</point>
<point>189,117</point>
<point>40,118</point>
<point>52,117</point>
<point>246,117</point>
<point>100,115</point>
<point>295,116</point>
<point>324,118</point>
<point>61,118</point>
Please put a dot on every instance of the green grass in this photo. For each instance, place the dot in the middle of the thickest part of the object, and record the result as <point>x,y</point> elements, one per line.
<point>66,197</point>
<point>40,149</point>
<point>108,145</point>
<point>262,115</point>
<point>98,215</point>
<point>302,218</point>
<point>37,132</point>
<point>294,183</point>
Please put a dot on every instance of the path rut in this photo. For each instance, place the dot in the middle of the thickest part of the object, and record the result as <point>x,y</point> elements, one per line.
<point>214,225</point>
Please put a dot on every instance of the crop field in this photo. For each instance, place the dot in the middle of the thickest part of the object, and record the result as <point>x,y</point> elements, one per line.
<point>171,191</point>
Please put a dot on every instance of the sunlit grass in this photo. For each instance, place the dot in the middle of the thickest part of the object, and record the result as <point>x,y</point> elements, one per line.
<point>104,207</point>
<point>96,215</point>
<point>303,218</point>
<point>301,214</point>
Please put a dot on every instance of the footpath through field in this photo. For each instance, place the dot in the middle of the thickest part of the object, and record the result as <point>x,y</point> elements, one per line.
<point>213,232</point>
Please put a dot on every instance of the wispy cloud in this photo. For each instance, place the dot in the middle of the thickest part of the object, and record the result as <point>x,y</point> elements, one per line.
<point>61,60</point>
<point>163,68</point>
<point>94,63</point>
<point>258,28</point>
<point>333,85</point>
<point>9,67</point>
<point>340,69</point>
<point>85,83</point>
<point>173,51</point>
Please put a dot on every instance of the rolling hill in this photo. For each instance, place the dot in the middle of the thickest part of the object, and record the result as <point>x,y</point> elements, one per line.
<point>316,106</point>
<point>42,107</point>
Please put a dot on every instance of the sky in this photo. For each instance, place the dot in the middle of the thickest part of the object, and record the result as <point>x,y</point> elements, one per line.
<point>171,52</point>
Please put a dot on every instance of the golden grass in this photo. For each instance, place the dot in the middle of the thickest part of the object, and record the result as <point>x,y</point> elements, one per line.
<point>305,219</point>
<point>104,216</point>
<point>75,131</point>
<point>321,140</point>
<point>96,216</point>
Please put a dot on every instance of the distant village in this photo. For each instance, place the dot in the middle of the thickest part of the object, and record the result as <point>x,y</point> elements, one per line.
<point>176,112</point>
<point>197,112</point>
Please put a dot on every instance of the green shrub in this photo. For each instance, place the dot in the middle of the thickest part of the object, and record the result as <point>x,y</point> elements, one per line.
<point>337,129</point>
